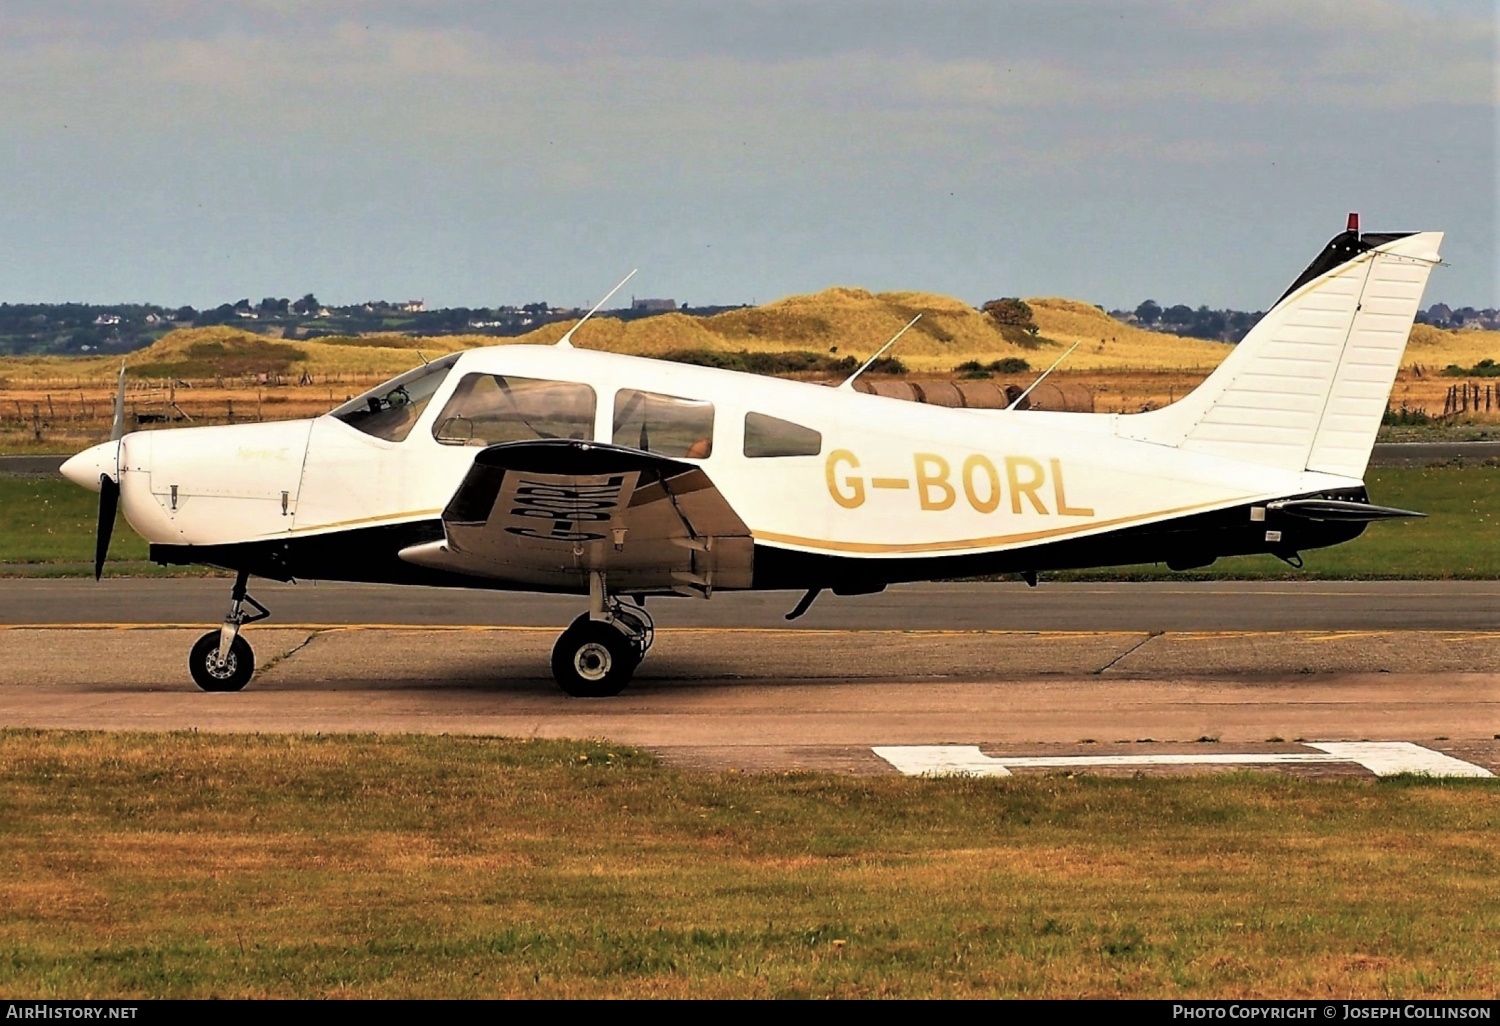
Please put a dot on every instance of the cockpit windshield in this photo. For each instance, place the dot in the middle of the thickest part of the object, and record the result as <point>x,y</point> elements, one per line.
<point>391,410</point>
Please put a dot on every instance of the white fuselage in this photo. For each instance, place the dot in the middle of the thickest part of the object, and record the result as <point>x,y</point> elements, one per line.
<point>892,478</point>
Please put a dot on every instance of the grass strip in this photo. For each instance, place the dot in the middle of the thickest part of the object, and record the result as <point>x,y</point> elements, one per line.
<point>47,528</point>
<point>192,865</point>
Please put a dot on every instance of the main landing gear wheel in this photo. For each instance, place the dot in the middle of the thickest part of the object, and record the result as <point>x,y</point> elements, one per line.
<point>594,659</point>
<point>230,674</point>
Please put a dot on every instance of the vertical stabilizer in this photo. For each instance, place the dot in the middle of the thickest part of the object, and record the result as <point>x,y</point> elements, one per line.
<point>1307,387</point>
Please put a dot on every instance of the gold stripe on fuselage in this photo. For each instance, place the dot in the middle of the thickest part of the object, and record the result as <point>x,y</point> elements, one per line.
<point>978,543</point>
<point>409,515</point>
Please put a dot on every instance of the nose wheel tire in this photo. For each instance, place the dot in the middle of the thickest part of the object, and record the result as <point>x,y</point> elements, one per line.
<point>594,659</point>
<point>210,675</point>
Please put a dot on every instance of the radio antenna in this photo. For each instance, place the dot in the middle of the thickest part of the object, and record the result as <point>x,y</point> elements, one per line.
<point>567,340</point>
<point>849,381</point>
<point>1039,380</point>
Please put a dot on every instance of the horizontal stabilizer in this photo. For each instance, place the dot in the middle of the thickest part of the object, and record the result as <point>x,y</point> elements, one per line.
<point>1340,510</point>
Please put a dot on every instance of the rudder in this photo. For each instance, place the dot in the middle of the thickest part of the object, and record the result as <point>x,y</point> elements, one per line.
<point>1307,387</point>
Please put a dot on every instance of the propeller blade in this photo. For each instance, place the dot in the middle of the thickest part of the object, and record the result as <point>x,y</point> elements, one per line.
<point>118,427</point>
<point>109,501</point>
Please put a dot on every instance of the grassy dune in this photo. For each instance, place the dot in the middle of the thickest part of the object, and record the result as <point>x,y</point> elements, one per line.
<point>194,865</point>
<point>842,321</point>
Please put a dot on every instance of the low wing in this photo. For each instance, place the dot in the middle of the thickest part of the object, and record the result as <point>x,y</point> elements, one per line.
<point>546,513</point>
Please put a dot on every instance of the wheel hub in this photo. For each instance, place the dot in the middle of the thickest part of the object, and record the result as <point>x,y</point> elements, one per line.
<point>592,661</point>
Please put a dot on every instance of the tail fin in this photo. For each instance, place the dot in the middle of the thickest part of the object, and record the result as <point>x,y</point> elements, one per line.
<point>1307,387</point>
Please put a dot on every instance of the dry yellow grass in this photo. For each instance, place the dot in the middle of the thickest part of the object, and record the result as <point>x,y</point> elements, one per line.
<point>1433,349</point>
<point>200,865</point>
<point>840,321</point>
<point>1108,344</point>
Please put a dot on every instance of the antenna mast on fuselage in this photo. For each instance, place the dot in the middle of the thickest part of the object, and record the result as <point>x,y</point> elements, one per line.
<point>567,340</point>
<point>849,381</point>
<point>1039,380</point>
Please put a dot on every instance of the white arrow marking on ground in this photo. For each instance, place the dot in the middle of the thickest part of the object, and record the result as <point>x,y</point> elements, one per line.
<point>1382,758</point>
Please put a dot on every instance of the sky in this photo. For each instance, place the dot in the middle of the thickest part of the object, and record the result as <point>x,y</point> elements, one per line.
<point>480,153</point>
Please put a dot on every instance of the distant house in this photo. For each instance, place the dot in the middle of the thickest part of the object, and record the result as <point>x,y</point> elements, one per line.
<point>104,319</point>
<point>414,306</point>
<point>653,305</point>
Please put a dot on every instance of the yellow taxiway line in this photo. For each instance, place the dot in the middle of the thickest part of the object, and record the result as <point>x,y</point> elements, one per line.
<point>1308,635</point>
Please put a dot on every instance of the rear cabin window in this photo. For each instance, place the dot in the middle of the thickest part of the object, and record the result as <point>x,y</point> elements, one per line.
<point>392,410</point>
<point>664,424</point>
<point>489,408</point>
<point>772,436</point>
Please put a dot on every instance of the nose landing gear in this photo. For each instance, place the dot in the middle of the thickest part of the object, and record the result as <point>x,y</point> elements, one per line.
<point>599,652</point>
<point>221,660</point>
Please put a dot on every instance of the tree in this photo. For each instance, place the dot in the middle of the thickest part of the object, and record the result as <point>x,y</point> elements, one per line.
<point>185,313</point>
<point>307,305</point>
<point>1009,311</point>
<point>1148,312</point>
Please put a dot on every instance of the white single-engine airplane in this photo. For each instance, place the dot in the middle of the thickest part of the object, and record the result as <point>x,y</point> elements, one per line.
<point>555,469</point>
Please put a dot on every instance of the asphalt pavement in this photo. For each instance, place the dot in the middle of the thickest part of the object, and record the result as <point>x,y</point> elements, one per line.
<point>1386,454</point>
<point>1154,606</point>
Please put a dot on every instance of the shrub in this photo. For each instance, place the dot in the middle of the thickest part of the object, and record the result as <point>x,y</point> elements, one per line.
<point>1010,311</point>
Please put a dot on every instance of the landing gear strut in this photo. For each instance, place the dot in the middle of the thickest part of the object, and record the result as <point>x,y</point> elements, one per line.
<point>221,660</point>
<point>599,652</point>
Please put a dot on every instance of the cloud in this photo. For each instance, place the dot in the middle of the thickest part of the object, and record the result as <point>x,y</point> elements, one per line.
<point>371,76</point>
<point>852,107</point>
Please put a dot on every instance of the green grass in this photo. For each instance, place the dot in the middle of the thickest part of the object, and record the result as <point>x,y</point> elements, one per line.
<point>51,522</point>
<point>193,865</point>
<point>1459,537</point>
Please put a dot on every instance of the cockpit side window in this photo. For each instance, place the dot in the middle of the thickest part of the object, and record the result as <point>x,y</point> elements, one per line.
<point>664,424</point>
<point>489,408</point>
<point>772,436</point>
<point>391,410</point>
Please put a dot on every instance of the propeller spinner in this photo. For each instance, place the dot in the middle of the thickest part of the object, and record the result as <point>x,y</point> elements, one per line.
<point>98,467</point>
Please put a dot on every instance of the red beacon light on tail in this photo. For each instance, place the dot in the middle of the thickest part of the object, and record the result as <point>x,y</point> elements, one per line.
<point>1353,223</point>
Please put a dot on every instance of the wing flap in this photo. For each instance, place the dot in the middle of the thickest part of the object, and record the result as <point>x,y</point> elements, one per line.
<point>547,513</point>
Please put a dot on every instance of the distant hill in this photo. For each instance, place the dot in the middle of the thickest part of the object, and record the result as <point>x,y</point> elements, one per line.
<point>837,323</point>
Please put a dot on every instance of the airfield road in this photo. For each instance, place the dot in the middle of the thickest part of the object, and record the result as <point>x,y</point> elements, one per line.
<point>788,697</point>
<point>1386,454</point>
<point>1152,606</point>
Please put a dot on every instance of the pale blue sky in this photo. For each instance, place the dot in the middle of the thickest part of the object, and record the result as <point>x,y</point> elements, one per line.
<point>475,153</point>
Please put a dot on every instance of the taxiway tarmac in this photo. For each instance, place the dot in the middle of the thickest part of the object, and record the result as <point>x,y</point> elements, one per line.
<point>1003,605</point>
<point>786,698</point>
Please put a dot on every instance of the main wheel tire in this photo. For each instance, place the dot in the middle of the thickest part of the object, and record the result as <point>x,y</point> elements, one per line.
<point>593,659</point>
<point>238,666</point>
